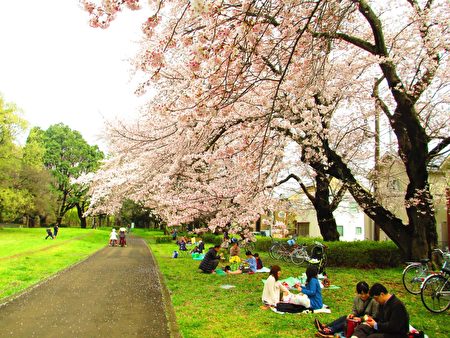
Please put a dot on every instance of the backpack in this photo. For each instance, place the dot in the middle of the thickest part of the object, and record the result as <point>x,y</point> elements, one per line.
<point>291,308</point>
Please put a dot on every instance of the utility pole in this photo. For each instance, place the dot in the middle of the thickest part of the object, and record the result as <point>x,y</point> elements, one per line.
<point>376,230</point>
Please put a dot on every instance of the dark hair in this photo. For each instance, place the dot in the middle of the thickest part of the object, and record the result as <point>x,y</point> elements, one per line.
<point>256,254</point>
<point>217,246</point>
<point>377,289</point>
<point>248,253</point>
<point>362,287</point>
<point>311,272</point>
<point>274,271</point>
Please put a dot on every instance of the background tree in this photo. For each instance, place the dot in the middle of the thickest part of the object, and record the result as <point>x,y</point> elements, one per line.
<point>67,155</point>
<point>13,198</point>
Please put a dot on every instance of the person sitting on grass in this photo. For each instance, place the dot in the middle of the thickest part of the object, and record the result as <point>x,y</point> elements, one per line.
<point>211,260</point>
<point>272,288</point>
<point>391,321</point>
<point>251,261</point>
<point>259,263</point>
<point>235,250</point>
<point>182,244</point>
<point>363,304</point>
<point>312,288</point>
<point>49,233</point>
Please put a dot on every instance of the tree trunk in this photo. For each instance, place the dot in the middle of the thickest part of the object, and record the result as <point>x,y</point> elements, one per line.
<point>80,213</point>
<point>413,150</point>
<point>43,220</point>
<point>324,212</point>
<point>393,226</point>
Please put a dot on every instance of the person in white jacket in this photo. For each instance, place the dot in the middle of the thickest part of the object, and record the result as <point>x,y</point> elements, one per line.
<point>113,238</point>
<point>272,288</point>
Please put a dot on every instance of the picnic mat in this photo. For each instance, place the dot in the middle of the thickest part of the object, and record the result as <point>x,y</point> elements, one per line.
<point>263,269</point>
<point>324,309</point>
<point>197,256</point>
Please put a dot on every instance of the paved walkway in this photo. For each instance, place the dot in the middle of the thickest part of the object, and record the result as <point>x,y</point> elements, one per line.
<point>114,293</point>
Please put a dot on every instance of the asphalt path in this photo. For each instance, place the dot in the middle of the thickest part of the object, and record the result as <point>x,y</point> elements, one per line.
<point>116,292</point>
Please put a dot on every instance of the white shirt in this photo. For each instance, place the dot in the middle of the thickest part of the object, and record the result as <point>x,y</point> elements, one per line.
<point>272,290</point>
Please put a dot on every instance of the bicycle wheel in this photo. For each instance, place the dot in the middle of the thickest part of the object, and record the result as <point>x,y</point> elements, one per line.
<point>298,257</point>
<point>273,249</point>
<point>435,293</point>
<point>250,246</point>
<point>413,276</point>
<point>277,252</point>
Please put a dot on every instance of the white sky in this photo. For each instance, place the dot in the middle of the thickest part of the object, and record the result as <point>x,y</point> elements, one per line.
<point>57,68</point>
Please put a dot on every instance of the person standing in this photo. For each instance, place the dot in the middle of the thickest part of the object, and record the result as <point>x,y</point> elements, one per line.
<point>392,320</point>
<point>55,230</point>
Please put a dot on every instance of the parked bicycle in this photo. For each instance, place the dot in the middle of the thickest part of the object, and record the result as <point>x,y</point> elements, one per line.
<point>416,272</point>
<point>283,249</point>
<point>435,290</point>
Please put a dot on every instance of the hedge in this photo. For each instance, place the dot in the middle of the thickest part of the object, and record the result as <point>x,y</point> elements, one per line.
<point>360,254</point>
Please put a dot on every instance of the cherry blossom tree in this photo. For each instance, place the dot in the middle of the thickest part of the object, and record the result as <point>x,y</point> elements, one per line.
<point>232,82</point>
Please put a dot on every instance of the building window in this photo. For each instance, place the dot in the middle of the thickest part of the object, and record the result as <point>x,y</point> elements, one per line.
<point>358,230</point>
<point>353,206</point>
<point>340,229</point>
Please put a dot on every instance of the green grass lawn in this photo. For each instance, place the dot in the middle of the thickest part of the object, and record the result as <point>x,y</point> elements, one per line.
<point>204,309</point>
<point>26,258</point>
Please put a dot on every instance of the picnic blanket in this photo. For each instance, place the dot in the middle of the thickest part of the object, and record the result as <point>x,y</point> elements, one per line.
<point>324,309</point>
<point>263,269</point>
<point>197,256</point>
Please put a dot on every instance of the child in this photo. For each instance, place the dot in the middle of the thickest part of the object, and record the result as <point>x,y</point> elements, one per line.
<point>113,238</point>
<point>49,233</point>
<point>312,288</point>
<point>251,260</point>
<point>363,304</point>
<point>122,237</point>
<point>259,263</point>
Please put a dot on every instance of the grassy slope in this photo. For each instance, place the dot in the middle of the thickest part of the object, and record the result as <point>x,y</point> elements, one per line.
<point>26,258</point>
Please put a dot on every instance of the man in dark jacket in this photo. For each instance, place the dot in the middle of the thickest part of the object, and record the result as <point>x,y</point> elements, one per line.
<point>211,260</point>
<point>392,320</point>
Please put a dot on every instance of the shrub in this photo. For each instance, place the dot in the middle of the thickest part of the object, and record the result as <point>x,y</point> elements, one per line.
<point>163,239</point>
<point>211,238</point>
<point>363,254</point>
